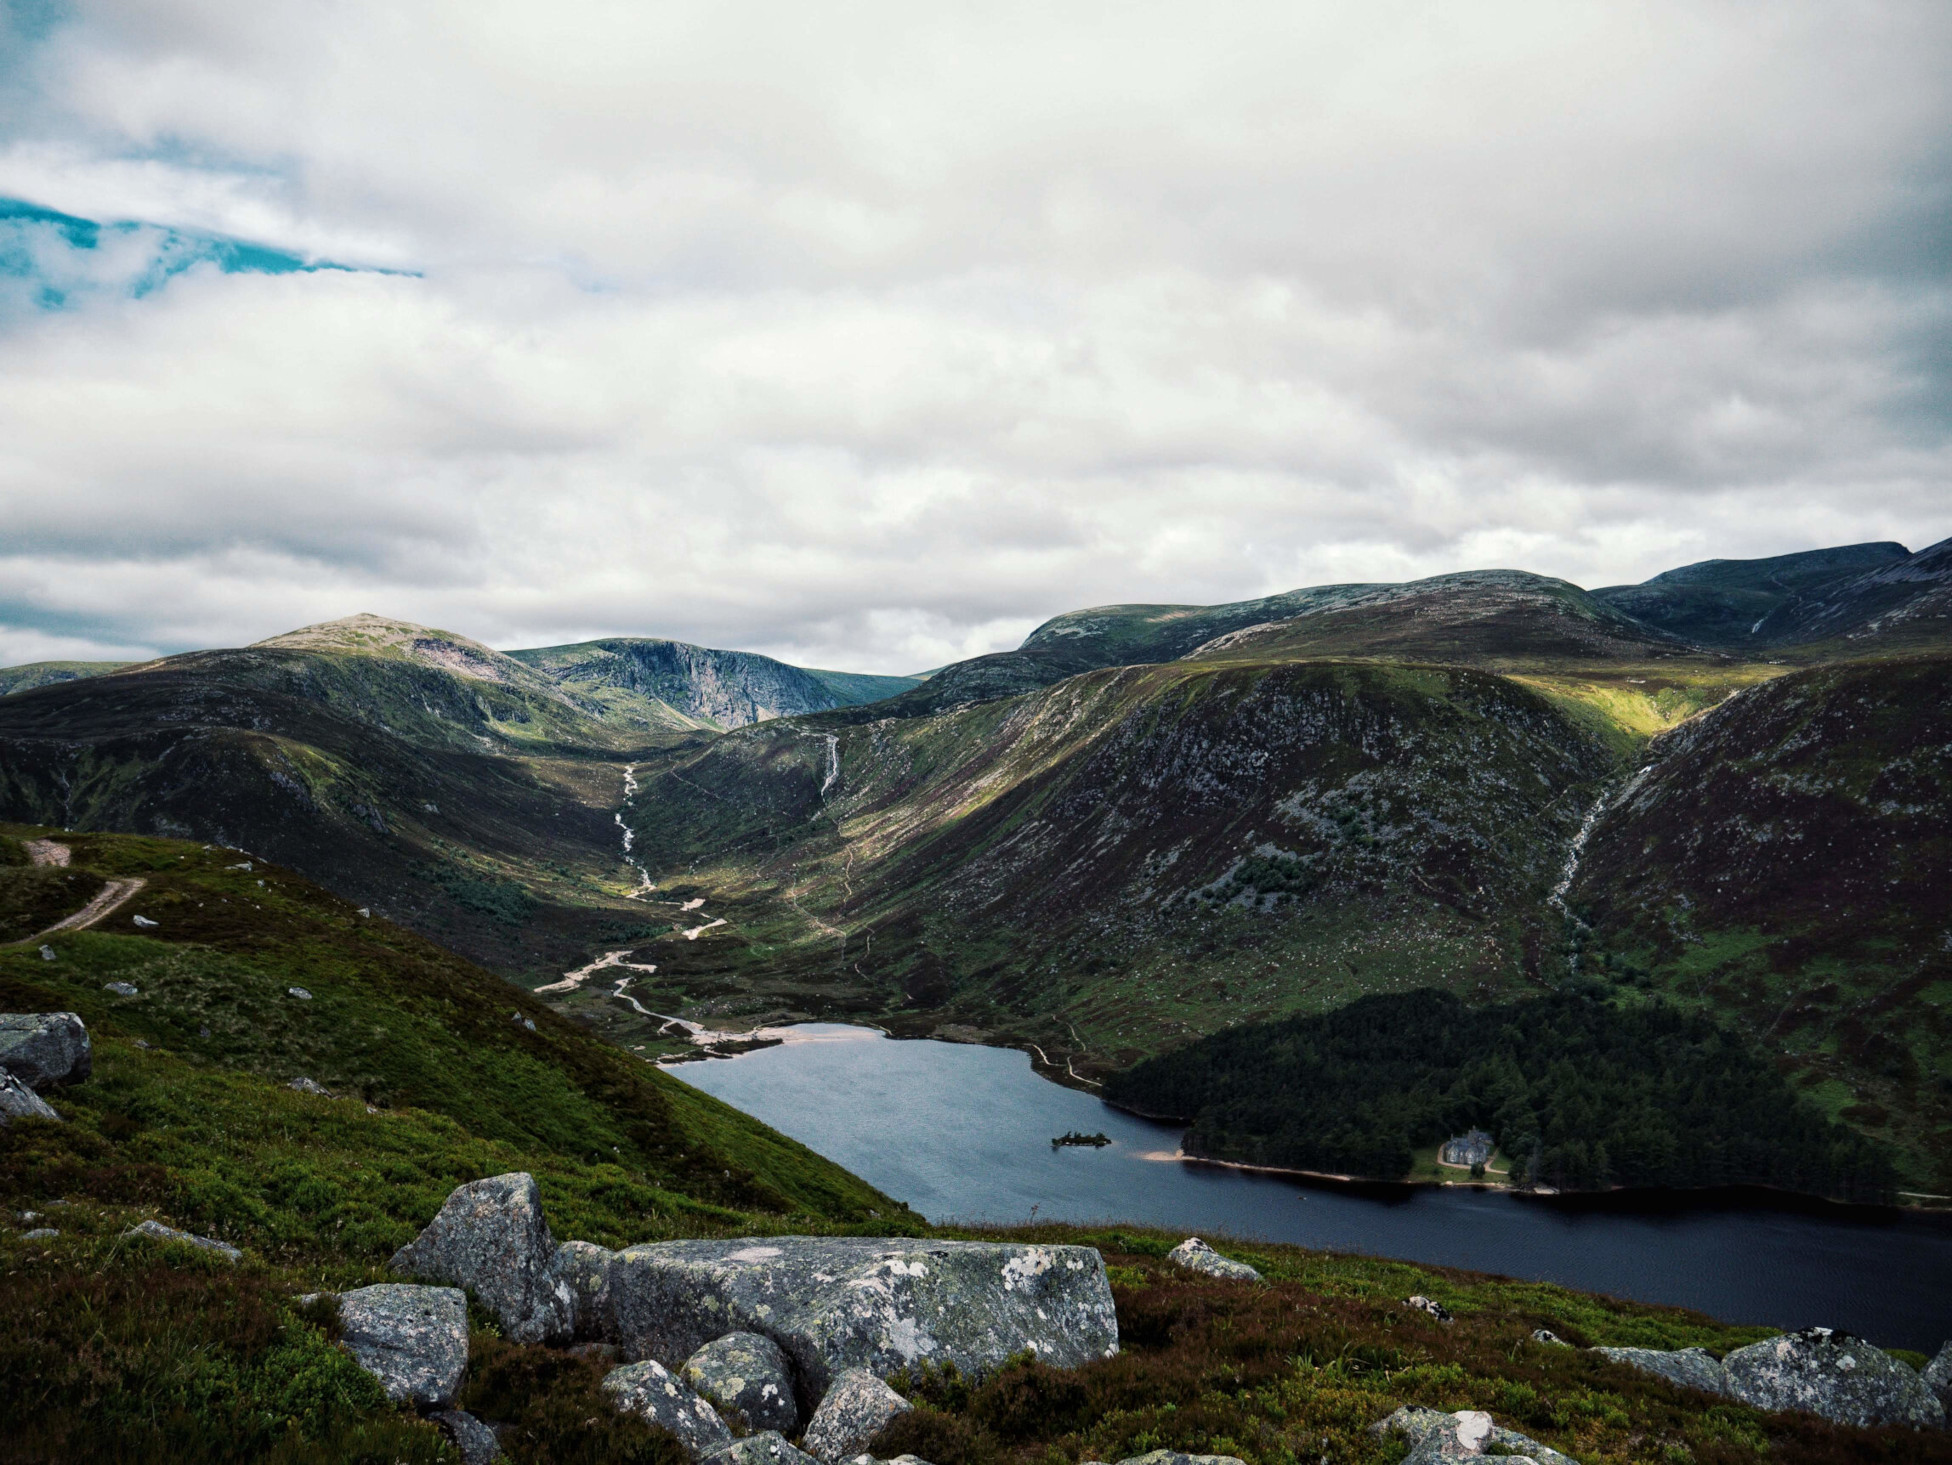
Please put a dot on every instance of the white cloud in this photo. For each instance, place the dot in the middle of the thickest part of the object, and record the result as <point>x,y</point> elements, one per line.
<point>872,337</point>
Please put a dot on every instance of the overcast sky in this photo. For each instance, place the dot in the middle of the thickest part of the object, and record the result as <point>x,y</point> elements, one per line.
<point>870,335</point>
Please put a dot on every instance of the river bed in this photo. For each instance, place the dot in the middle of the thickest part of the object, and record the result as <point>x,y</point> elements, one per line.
<point>962,1133</point>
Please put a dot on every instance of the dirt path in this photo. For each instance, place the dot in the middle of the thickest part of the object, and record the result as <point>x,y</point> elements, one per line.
<point>112,898</point>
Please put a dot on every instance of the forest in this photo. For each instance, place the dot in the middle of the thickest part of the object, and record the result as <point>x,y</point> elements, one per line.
<point>1579,1094</point>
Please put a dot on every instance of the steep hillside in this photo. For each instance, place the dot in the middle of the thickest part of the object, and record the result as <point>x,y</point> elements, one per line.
<point>1787,859</point>
<point>1128,856</point>
<point>653,684</point>
<point>1904,605</point>
<point>1725,603</point>
<point>44,673</point>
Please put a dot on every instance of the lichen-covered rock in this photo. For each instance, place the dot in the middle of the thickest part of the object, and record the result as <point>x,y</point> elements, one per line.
<point>1546,1338</point>
<point>1938,1378</point>
<point>1436,1437</point>
<point>473,1441</point>
<point>834,1303</point>
<point>1174,1457</point>
<point>584,1268</point>
<point>43,1049</point>
<point>855,1410</point>
<point>1691,1368</point>
<point>656,1395</point>
<point>157,1231</point>
<point>17,1101</point>
<point>490,1237</point>
<point>746,1373</point>
<point>1196,1256</point>
<point>1832,1375</point>
<point>766,1448</point>
<point>1435,1309</point>
<point>414,1340</point>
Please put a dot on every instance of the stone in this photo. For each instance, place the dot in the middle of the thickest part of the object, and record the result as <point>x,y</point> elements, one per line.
<point>746,1373</point>
<point>1436,1309</point>
<point>157,1231</point>
<point>856,1408</point>
<point>766,1448</point>
<point>1549,1339</point>
<point>40,1233</point>
<point>146,923</point>
<point>121,989</point>
<point>1468,1434</point>
<point>1174,1457</point>
<point>47,953</point>
<point>584,1268</point>
<point>414,1340</point>
<point>1691,1368</point>
<point>834,1303</point>
<point>1196,1256</point>
<point>309,1086</point>
<point>656,1395</point>
<point>1938,1377</point>
<point>473,1441</point>
<point>490,1237</point>
<point>1832,1375</point>
<point>299,992</point>
<point>17,1101</point>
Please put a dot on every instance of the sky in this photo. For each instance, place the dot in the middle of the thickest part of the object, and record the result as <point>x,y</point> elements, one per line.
<point>871,335</point>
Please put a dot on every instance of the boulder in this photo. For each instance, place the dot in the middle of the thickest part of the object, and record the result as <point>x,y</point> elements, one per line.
<point>746,1373</point>
<point>1174,1457</point>
<point>121,989</point>
<point>655,1395</point>
<point>43,1049</point>
<point>157,1231</point>
<point>1832,1375</point>
<point>1196,1256</point>
<point>855,1410</point>
<point>414,1340</point>
<point>17,1101</point>
<point>473,1441</point>
<point>1546,1338</point>
<point>1468,1434</point>
<point>1938,1378</point>
<point>766,1448</point>
<point>1436,1309</point>
<point>490,1237</point>
<point>834,1303</point>
<point>310,1086</point>
<point>584,1268</point>
<point>1691,1368</point>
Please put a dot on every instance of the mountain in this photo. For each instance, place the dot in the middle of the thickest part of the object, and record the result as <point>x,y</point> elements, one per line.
<point>1897,606</point>
<point>1725,603</point>
<point>646,682</point>
<point>45,673</point>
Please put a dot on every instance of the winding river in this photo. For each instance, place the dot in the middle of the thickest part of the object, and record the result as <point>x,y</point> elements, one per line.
<point>963,1133</point>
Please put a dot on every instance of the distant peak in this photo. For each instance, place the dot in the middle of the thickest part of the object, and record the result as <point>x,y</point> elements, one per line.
<point>364,631</point>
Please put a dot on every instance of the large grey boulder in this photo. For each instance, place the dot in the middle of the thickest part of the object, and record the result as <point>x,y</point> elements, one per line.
<point>1691,1368</point>
<point>1436,1437</point>
<point>490,1237</point>
<point>414,1340</point>
<point>856,1409</point>
<point>1833,1375</point>
<point>157,1231</point>
<point>1174,1457</point>
<point>834,1303</point>
<point>1938,1378</point>
<point>43,1049</point>
<point>655,1395</point>
<point>1196,1256</point>
<point>473,1441</point>
<point>747,1374</point>
<point>766,1448</point>
<point>17,1101</point>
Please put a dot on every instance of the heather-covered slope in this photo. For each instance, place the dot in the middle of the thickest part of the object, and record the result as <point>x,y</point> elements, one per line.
<point>1726,603</point>
<point>44,673</point>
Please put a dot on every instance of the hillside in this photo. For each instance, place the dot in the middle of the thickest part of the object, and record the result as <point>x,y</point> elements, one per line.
<point>1725,603</point>
<point>643,682</point>
<point>1784,860</point>
<point>45,673</point>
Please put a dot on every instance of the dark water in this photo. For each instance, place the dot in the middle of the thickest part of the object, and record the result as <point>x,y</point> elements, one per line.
<point>963,1133</point>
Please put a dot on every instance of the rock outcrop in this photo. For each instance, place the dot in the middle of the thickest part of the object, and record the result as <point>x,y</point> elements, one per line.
<point>1691,1368</point>
<point>1174,1457</point>
<point>766,1448</point>
<point>17,1101</point>
<point>834,1303</point>
<point>157,1231</point>
<point>414,1340</point>
<point>856,1409</point>
<point>1938,1378</point>
<point>1833,1375</point>
<point>490,1237</point>
<point>1436,1437</point>
<point>1435,1309</point>
<point>654,1394</point>
<point>43,1049</point>
<point>1196,1256</point>
<point>473,1441</point>
<point>746,1374</point>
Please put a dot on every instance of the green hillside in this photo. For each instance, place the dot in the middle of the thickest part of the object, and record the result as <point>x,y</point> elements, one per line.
<point>44,673</point>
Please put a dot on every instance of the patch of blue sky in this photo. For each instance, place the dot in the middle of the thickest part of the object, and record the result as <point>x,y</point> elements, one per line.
<point>55,261</point>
